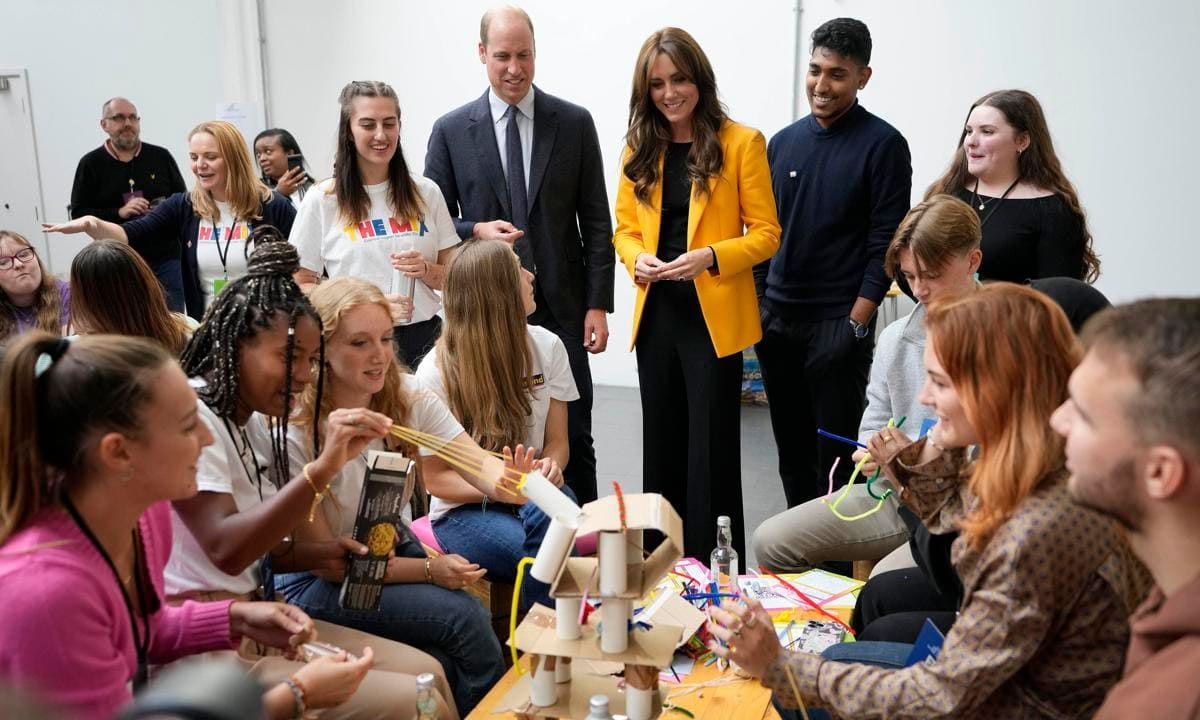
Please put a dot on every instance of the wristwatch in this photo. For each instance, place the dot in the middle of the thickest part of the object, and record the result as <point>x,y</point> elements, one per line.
<point>860,329</point>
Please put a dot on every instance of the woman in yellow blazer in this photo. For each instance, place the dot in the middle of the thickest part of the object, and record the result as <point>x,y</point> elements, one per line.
<point>695,213</point>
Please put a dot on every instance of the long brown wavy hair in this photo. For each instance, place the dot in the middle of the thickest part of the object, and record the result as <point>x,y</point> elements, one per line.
<point>245,193</point>
<point>113,291</point>
<point>649,132</point>
<point>47,303</point>
<point>332,299</point>
<point>354,203</point>
<point>1008,351</point>
<point>1038,164</point>
<point>483,353</point>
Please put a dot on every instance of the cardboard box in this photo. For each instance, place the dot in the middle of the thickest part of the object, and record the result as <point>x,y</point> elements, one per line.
<point>378,525</point>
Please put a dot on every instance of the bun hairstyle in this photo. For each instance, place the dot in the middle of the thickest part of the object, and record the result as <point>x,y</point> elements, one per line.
<point>58,398</point>
<point>247,305</point>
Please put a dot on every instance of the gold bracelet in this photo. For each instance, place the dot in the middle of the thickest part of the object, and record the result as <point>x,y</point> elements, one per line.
<point>318,495</point>
<point>428,572</point>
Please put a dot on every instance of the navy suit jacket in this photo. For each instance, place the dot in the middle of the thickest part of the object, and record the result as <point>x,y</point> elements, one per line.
<point>570,228</point>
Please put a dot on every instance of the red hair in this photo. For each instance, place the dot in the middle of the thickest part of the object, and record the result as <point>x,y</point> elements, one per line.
<point>1009,351</point>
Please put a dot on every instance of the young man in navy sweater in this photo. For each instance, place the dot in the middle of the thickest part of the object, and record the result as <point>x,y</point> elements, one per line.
<point>842,179</point>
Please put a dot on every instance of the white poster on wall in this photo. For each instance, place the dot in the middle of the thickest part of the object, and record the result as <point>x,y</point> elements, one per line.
<point>244,115</point>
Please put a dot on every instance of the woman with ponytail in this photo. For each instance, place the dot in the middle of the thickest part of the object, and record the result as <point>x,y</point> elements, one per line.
<point>95,435</point>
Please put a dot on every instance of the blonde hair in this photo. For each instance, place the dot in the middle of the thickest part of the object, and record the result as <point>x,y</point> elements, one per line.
<point>332,299</point>
<point>1008,351</point>
<point>483,352</point>
<point>244,191</point>
<point>935,231</point>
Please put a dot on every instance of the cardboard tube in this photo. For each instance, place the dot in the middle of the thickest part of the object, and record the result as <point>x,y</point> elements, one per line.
<point>549,499</point>
<point>614,615</point>
<point>566,612</point>
<point>556,546</point>
<point>634,548</point>
<point>562,671</point>
<point>543,691</point>
<point>638,703</point>
<point>612,564</point>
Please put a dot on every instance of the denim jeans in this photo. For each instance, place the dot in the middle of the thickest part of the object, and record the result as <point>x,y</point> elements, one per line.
<point>448,624</point>
<point>882,654</point>
<point>497,538</point>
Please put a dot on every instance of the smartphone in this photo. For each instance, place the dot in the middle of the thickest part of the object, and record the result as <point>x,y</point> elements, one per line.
<point>295,161</point>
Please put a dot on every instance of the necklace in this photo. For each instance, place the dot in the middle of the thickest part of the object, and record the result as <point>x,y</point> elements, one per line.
<point>981,203</point>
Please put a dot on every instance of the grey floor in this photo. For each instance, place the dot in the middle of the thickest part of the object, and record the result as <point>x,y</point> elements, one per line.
<point>617,430</point>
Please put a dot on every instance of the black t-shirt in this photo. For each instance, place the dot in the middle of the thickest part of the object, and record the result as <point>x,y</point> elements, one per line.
<point>676,200</point>
<point>1027,239</point>
<point>103,183</point>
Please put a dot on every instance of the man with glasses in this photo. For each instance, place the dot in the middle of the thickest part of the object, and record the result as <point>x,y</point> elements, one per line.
<point>125,177</point>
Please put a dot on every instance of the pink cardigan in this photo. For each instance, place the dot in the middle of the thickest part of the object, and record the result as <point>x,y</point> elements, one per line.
<point>64,629</point>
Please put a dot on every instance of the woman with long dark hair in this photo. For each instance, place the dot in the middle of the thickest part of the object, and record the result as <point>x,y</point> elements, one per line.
<point>274,149</point>
<point>378,221</point>
<point>1006,168</point>
<point>695,214</point>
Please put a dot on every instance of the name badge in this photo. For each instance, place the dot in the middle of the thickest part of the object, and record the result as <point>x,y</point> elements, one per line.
<point>219,285</point>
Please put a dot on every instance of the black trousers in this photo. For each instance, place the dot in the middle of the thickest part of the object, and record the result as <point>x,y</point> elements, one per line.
<point>815,374</point>
<point>893,606</point>
<point>414,341</point>
<point>691,417</point>
<point>580,473</point>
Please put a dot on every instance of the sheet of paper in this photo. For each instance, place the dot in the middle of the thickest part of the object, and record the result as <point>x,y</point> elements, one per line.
<point>826,582</point>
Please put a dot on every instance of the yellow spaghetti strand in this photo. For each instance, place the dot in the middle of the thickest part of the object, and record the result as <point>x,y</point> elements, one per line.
<point>512,615</point>
<point>795,688</point>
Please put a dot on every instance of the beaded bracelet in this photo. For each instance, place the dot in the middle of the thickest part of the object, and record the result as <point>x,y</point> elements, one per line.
<point>299,695</point>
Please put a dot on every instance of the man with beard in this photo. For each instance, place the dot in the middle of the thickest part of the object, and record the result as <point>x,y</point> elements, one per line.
<point>1132,429</point>
<point>123,178</point>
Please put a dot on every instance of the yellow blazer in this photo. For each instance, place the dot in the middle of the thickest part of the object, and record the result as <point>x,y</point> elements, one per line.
<point>736,218</point>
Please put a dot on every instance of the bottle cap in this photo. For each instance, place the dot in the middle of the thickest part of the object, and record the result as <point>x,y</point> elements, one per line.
<point>723,521</point>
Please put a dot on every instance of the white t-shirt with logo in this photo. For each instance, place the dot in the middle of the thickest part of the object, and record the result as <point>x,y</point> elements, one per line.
<point>232,465</point>
<point>221,250</point>
<point>327,241</point>
<point>426,413</point>
<point>551,380</point>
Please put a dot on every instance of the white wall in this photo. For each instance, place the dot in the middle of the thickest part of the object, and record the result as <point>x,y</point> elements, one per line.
<point>1117,82</point>
<point>585,53</point>
<point>79,53</point>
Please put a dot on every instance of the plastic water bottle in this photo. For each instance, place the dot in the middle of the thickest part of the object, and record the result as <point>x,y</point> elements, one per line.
<point>724,559</point>
<point>406,286</point>
<point>426,700</point>
<point>598,708</point>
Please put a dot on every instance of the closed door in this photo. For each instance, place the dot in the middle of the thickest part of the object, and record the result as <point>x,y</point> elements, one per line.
<point>21,207</point>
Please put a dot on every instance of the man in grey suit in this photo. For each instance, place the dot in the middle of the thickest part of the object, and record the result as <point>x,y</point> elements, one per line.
<point>522,166</point>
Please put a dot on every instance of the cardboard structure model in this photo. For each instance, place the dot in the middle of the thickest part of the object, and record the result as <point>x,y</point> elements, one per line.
<point>619,576</point>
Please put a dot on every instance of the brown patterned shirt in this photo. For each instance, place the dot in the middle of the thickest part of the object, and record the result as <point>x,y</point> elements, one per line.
<point>1044,621</point>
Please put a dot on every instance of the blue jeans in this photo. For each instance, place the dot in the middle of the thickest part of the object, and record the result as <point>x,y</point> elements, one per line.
<point>881,654</point>
<point>497,538</point>
<point>448,624</point>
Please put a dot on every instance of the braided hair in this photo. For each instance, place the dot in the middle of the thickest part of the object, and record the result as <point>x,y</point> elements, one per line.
<point>246,305</point>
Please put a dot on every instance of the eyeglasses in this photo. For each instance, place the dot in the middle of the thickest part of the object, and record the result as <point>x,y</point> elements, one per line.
<point>121,119</point>
<point>6,261</point>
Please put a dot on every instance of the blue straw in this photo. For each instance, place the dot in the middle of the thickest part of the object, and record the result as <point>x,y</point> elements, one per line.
<point>834,436</point>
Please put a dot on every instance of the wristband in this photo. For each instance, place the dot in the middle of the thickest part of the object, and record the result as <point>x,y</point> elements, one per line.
<point>318,495</point>
<point>299,695</point>
<point>428,571</point>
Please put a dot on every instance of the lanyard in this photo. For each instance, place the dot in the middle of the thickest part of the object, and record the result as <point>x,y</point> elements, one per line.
<point>245,448</point>
<point>141,643</point>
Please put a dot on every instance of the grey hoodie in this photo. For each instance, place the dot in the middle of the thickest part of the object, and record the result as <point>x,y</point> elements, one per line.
<point>897,374</point>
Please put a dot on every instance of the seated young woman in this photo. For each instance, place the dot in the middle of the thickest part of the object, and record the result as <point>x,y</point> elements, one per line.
<point>30,297</point>
<point>508,383</point>
<point>423,603</point>
<point>115,292</point>
<point>95,435</point>
<point>259,346</point>
<point>1047,585</point>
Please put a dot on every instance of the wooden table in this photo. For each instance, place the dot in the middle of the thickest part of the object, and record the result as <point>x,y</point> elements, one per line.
<point>744,698</point>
